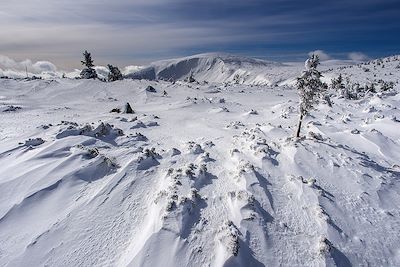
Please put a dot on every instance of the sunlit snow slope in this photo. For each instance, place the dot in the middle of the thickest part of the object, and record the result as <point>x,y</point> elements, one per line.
<point>208,175</point>
<point>218,68</point>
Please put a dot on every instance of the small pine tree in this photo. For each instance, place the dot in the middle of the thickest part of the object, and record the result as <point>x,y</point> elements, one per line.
<point>89,72</point>
<point>337,84</point>
<point>88,61</point>
<point>114,74</point>
<point>343,90</point>
<point>310,88</point>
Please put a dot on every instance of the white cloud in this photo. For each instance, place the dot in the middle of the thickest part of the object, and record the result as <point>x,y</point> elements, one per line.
<point>130,69</point>
<point>322,55</point>
<point>7,62</point>
<point>38,67</point>
<point>41,66</point>
<point>18,69</point>
<point>358,56</point>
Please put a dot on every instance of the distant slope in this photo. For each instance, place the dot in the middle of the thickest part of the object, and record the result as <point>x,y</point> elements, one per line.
<point>225,68</point>
<point>215,68</point>
<point>374,71</point>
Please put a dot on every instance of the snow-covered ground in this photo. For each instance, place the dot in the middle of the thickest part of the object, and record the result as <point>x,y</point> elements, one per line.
<point>207,175</point>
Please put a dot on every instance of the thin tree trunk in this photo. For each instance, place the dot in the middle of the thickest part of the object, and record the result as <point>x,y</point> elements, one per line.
<point>299,127</point>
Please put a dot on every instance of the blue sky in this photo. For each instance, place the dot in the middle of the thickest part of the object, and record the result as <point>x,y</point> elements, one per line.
<point>128,32</point>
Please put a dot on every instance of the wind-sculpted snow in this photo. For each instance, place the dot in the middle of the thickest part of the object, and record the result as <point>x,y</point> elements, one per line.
<point>205,175</point>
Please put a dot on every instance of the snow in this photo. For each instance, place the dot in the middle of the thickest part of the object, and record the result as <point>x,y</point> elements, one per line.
<point>216,68</point>
<point>208,175</point>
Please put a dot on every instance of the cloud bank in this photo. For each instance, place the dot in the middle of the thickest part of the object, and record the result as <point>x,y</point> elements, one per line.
<point>352,57</point>
<point>12,68</point>
<point>20,69</point>
<point>26,65</point>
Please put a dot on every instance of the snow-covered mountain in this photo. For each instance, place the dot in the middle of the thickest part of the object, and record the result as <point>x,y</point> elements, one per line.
<point>205,174</point>
<point>224,68</point>
<point>216,68</point>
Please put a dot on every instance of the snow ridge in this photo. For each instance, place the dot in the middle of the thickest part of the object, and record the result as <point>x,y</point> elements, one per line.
<point>210,67</point>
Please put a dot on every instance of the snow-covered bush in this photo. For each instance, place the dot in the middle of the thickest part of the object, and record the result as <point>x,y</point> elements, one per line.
<point>89,72</point>
<point>337,84</point>
<point>310,87</point>
<point>385,86</point>
<point>103,130</point>
<point>356,91</point>
<point>370,88</point>
<point>345,89</point>
<point>114,74</point>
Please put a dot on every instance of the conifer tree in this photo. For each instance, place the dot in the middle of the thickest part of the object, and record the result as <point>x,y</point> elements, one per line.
<point>114,74</point>
<point>88,61</point>
<point>310,87</point>
<point>337,84</point>
<point>89,72</point>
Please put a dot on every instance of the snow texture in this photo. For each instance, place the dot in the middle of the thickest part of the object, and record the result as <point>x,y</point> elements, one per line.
<point>183,182</point>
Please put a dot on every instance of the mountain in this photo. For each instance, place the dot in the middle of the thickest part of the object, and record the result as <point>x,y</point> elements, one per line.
<point>224,68</point>
<point>214,68</point>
